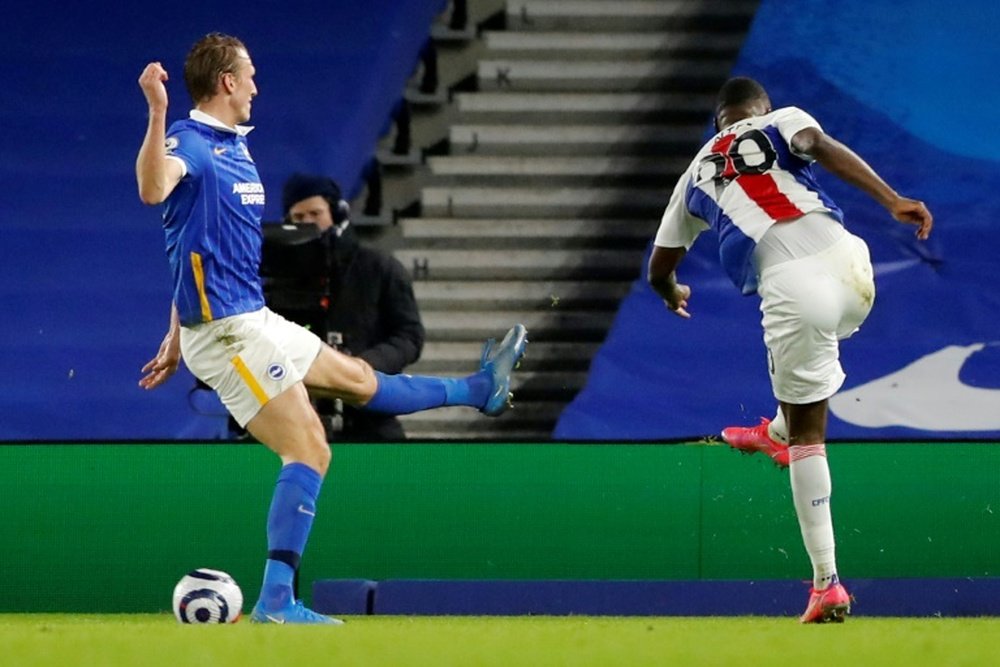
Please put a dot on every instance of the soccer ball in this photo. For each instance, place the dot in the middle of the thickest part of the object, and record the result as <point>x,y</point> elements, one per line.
<point>207,596</point>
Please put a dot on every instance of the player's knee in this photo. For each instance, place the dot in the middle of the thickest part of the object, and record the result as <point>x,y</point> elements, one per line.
<point>359,384</point>
<point>317,456</point>
<point>340,376</point>
<point>367,385</point>
<point>321,457</point>
<point>306,443</point>
<point>317,449</point>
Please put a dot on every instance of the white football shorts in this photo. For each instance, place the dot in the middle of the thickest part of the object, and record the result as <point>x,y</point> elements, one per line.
<point>249,359</point>
<point>808,305</point>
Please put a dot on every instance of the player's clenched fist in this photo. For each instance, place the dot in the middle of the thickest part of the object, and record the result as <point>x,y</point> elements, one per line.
<point>151,81</point>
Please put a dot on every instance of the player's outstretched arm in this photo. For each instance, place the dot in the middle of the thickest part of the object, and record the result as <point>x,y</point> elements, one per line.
<point>847,165</point>
<point>662,277</point>
<point>159,369</point>
<point>155,174</point>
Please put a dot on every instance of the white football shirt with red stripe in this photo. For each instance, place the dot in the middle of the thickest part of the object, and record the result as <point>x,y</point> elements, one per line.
<point>743,180</point>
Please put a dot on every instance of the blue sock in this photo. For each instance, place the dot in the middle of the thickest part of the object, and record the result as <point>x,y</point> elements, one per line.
<point>289,521</point>
<point>403,394</point>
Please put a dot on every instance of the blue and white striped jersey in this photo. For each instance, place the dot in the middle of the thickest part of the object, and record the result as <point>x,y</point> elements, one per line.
<point>212,221</point>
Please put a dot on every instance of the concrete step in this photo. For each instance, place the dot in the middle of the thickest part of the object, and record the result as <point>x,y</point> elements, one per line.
<point>402,184</point>
<point>529,411</point>
<point>562,202</point>
<point>575,140</point>
<point>527,435</point>
<point>478,11</point>
<point>511,45</point>
<point>491,265</point>
<point>622,15</point>
<point>517,424</point>
<point>519,294</point>
<point>535,415</point>
<point>444,34</point>
<point>389,159</point>
<point>547,325</point>
<point>429,125</point>
<point>601,75</point>
<point>462,358</point>
<point>540,171</point>
<point>578,108</point>
<point>456,48</point>
<point>498,232</point>
<point>456,57</point>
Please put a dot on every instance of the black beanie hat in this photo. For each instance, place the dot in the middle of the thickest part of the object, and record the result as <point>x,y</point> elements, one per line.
<point>303,186</point>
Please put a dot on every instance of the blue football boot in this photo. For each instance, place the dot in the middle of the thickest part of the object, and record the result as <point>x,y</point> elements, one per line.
<point>499,361</point>
<point>295,613</point>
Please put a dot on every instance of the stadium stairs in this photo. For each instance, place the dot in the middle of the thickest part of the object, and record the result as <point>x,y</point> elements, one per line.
<point>539,178</point>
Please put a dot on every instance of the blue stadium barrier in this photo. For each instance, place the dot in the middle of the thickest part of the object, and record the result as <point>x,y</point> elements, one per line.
<point>873,597</point>
<point>348,597</point>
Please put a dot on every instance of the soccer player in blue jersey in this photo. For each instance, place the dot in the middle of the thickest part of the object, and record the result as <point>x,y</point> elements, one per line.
<point>260,364</point>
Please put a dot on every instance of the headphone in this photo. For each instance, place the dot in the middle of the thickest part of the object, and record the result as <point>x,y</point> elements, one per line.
<point>303,186</point>
<point>340,212</point>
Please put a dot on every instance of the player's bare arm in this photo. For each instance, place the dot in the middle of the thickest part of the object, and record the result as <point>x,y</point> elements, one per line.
<point>155,174</point>
<point>663,278</point>
<point>847,165</point>
<point>159,369</point>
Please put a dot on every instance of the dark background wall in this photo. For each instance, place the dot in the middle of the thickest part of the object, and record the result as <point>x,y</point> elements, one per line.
<point>85,292</point>
<point>912,92</point>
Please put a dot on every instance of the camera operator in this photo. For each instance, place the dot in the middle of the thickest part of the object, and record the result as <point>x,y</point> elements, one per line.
<point>370,309</point>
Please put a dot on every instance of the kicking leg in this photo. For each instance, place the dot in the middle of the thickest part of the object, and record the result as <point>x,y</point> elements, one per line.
<point>338,375</point>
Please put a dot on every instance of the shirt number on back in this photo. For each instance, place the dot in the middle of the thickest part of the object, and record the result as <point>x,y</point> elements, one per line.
<point>734,155</point>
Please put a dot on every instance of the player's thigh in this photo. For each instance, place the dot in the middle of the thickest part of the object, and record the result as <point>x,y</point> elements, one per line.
<point>857,282</point>
<point>248,359</point>
<point>801,311</point>
<point>336,374</point>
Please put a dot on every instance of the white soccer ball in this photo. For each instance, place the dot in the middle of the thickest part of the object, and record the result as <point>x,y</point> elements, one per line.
<point>207,596</point>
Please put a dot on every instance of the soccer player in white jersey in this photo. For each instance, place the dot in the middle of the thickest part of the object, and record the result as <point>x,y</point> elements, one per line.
<point>782,237</point>
<point>259,363</point>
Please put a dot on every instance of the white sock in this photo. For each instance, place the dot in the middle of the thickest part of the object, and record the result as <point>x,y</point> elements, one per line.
<point>811,486</point>
<point>777,429</point>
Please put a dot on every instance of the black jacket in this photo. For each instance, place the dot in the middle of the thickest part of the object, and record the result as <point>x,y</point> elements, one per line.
<point>372,306</point>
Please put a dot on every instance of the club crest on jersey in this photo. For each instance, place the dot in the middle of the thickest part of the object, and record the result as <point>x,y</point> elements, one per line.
<point>276,372</point>
<point>171,144</point>
<point>245,151</point>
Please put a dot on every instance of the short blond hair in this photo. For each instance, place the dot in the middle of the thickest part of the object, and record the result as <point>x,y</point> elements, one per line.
<point>211,56</point>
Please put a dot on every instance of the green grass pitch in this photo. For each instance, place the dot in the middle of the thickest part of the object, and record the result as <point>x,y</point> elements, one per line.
<point>157,639</point>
